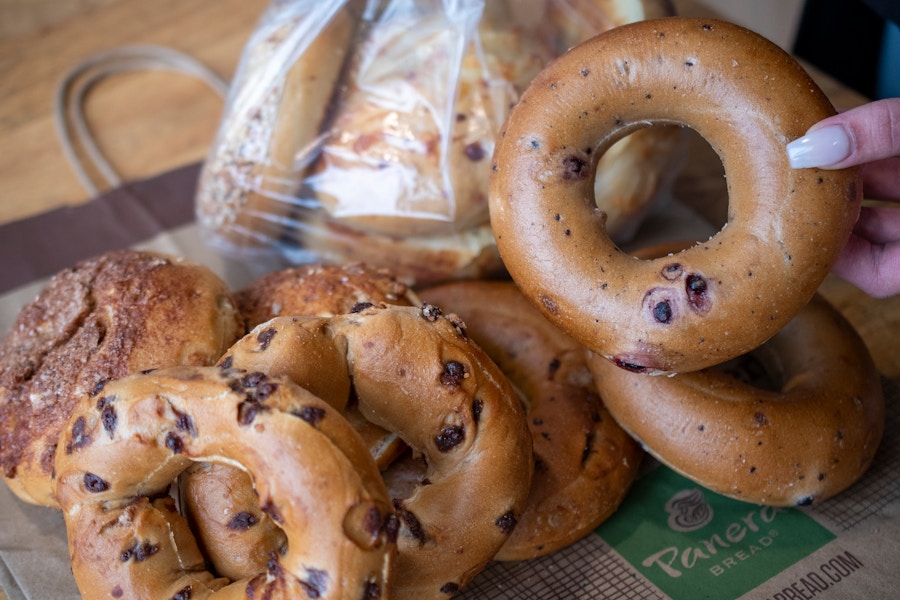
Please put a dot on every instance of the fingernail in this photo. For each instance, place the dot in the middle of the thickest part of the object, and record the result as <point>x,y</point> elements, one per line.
<point>820,148</point>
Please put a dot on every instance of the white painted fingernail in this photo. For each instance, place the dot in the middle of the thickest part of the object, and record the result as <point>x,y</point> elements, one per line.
<point>820,148</point>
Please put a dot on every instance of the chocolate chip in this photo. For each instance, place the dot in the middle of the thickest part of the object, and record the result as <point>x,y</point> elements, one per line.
<point>475,152</point>
<point>449,588</point>
<point>184,593</point>
<point>372,590</point>
<point>79,436</point>
<point>109,418</point>
<point>411,521</point>
<point>431,313</point>
<point>98,387</point>
<point>139,552</point>
<point>310,414</point>
<point>174,443</point>
<point>453,374</point>
<point>247,411</point>
<point>265,337</point>
<point>552,368</point>
<point>184,422</point>
<point>316,583</point>
<point>506,522</point>
<point>574,168</point>
<point>242,521</point>
<point>391,527</point>
<point>477,407</point>
<point>450,437</point>
<point>359,307</point>
<point>270,509</point>
<point>662,312</point>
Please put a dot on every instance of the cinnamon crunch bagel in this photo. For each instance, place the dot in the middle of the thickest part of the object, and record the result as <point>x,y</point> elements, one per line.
<point>104,318</point>
<point>721,298</point>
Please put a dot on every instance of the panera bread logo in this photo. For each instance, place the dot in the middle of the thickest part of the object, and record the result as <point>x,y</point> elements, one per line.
<point>684,538</point>
<point>688,510</point>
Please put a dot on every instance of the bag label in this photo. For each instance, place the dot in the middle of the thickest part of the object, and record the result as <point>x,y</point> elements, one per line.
<point>693,543</point>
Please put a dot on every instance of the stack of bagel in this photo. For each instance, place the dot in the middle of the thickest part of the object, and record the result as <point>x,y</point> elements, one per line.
<point>333,431</point>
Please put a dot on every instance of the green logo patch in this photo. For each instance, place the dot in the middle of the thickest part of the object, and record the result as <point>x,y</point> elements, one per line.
<point>692,543</point>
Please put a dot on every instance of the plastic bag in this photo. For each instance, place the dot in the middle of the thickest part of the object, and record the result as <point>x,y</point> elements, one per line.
<point>363,129</point>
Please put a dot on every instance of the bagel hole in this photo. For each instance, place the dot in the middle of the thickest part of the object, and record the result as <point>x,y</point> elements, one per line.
<point>701,178</point>
<point>405,475</point>
<point>759,368</point>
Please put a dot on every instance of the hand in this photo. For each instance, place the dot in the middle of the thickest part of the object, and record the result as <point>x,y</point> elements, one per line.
<point>868,135</point>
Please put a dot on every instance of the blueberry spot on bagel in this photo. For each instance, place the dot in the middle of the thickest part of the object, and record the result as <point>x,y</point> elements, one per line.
<point>108,415</point>
<point>372,590</point>
<point>450,437</point>
<point>391,527</point>
<point>184,593</point>
<point>98,387</point>
<point>265,337</point>
<point>184,422</point>
<point>662,312</point>
<point>453,374</point>
<point>672,271</point>
<point>552,368</point>
<point>359,307</point>
<point>247,411</point>
<point>506,522</point>
<point>477,407</point>
<point>270,509</point>
<point>310,414</point>
<point>242,521</point>
<point>316,583</point>
<point>139,552</point>
<point>549,304</point>
<point>805,501</point>
<point>411,521</point>
<point>697,290</point>
<point>574,168</point>
<point>226,363</point>
<point>174,443</point>
<point>475,152</point>
<point>117,592</point>
<point>80,438</point>
<point>449,588</point>
<point>629,366</point>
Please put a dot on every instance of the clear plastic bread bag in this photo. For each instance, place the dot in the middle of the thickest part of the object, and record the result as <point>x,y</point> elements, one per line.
<point>362,130</point>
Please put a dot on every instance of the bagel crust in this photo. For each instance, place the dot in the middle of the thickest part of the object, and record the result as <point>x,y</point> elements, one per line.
<point>720,298</point>
<point>804,441</point>
<point>584,462</point>
<point>416,373</point>
<point>313,476</point>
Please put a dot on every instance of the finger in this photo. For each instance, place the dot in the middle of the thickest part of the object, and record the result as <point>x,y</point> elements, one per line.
<point>878,224</point>
<point>860,135</point>
<point>872,267</point>
<point>881,179</point>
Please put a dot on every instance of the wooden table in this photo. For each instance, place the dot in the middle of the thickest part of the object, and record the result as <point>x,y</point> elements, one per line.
<point>150,122</point>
